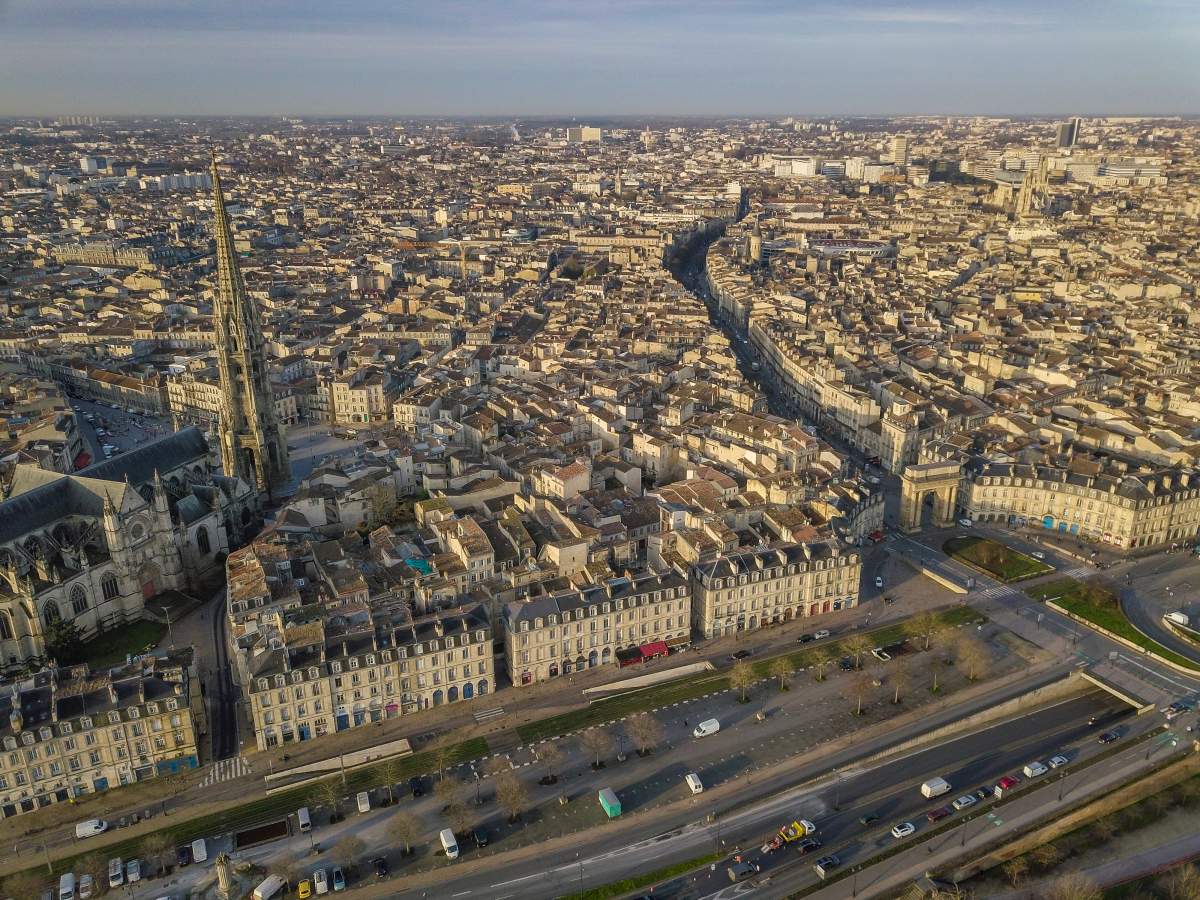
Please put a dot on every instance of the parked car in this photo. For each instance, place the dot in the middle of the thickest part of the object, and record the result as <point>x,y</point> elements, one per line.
<point>320,882</point>
<point>804,639</point>
<point>380,867</point>
<point>86,886</point>
<point>807,845</point>
<point>1109,736</point>
<point>985,793</point>
<point>133,871</point>
<point>821,634</point>
<point>480,835</point>
<point>878,581</point>
<point>964,801</point>
<point>1009,781</point>
<point>847,664</point>
<point>741,654</point>
<point>938,814</point>
<point>1038,554</point>
<point>339,879</point>
<point>1056,761</point>
<point>903,830</point>
<point>415,786</point>
<point>184,856</point>
<point>1034,769</point>
<point>965,523</point>
<point>305,889</point>
<point>825,863</point>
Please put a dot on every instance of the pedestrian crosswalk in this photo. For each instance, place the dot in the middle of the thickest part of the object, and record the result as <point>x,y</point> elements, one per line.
<point>1079,572</point>
<point>226,770</point>
<point>998,591</point>
<point>486,714</point>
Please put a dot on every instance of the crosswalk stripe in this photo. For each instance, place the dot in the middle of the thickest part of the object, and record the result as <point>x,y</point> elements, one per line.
<point>489,714</point>
<point>227,770</point>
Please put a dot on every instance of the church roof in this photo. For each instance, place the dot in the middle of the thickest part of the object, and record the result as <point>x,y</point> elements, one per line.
<point>163,455</point>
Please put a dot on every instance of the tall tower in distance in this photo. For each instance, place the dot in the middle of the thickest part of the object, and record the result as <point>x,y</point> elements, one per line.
<point>900,150</point>
<point>754,244</point>
<point>252,440</point>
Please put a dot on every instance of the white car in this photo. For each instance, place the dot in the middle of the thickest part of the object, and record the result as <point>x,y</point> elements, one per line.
<point>1056,761</point>
<point>320,882</point>
<point>965,523</point>
<point>903,830</point>
<point>964,801</point>
<point>820,634</point>
<point>1038,554</point>
<point>878,581</point>
<point>133,871</point>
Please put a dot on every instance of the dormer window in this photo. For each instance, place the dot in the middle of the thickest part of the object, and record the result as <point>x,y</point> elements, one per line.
<point>387,655</point>
<point>297,677</point>
<point>65,727</point>
<point>46,734</point>
<point>336,668</point>
<point>85,722</point>
<point>134,713</point>
<point>172,705</point>
<point>525,625</point>
<point>449,642</point>
<point>591,610</point>
<point>371,660</point>
<point>152,709</point>
<point>314,673</point>
<point>114,718</point>
<point>354,663</point>
<point>280,681</point>
<point>263,684</point>
<point>10,743</point>
<point>480,636</point>
<point>27,738</point>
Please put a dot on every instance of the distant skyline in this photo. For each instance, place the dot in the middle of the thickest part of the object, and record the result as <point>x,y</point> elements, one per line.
<point>598,57</point>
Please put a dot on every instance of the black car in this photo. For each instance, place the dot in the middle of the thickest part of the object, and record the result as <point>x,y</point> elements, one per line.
<point>415,785</point>
<point>847,664</point>
<point>1109,736</point>
<point>741,654</point>
<point>804,639</point>
<point>380,867</point>
<point>480,836</point>
<point>807,844</point>
<point>825,863</point>
<point>985,793</point>
<point>184,856</point>
<point>868,819</point>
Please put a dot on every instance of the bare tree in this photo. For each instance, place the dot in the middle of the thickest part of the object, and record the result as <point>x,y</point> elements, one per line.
<point>926,625</point>
<point>973,655</point>
<point>444,751</point>
<point>156,847</point>
<point>389,772</point>
<point>327,793</point>
<point>1045,857</point>
<point>934,668</point>
<point>781,668</point>
<point>1015,869</point>
<point>1075,886</point>
<point>821,657</point>
<point>404,828</point>
<point>93,864</point>
<point>383,502</point>
<point>901,679</point>
<point>645,731</point>
<point>550,755</point>
<point>857,646</point>
<point>741,676</point>
<point>948,642</point>
<point>1183,884</point>
<point>460,816</point>
<point>512,795</point>
<point>860,684</point>
<point>349,850</point>
<point>286,866</point>
<point>597,742</point>
<point>449,789</point>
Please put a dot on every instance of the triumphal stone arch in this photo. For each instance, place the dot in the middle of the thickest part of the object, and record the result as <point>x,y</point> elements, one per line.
<point>918,482</point>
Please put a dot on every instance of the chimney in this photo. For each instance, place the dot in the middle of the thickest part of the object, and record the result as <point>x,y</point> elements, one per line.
<point>16,719</point>
<point>112,694</point>
<point>178,688</point>
<point>141,690</point>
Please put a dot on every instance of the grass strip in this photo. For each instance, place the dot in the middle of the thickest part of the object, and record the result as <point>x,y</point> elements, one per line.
<point>693,686</point>
<point>619,888</point>
<point>1103,608</point>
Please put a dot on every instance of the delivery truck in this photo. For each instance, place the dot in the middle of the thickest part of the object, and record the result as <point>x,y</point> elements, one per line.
<point>608,800</point>
<point>935,787</point>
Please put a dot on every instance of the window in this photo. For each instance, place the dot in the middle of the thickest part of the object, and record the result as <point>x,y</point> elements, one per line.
<point>202,540</point>
<point>79,600</point>
<point>50,612</point>
<point>109,587</point>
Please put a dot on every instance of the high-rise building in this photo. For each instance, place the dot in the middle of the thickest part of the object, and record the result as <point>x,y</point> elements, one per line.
<point>900,150</point>
<point>252,440</point>
<point>583,134</point>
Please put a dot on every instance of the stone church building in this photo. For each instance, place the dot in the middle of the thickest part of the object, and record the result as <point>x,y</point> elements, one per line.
<point>97,547</point>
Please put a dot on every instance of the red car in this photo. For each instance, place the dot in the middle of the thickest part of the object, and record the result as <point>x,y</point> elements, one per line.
<point>1009,781</point>
<point>940,813</point>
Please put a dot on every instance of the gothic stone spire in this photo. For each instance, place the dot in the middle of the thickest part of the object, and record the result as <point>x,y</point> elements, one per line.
<point>253,446</point>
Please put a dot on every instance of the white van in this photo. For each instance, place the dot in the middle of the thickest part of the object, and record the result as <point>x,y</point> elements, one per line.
<point>693,781</point>
<point>707,727</point>
<point>303,818</point>
<point>270,886</point>
<point>66,887</point>
<point>449,844</point>
<point>90,828</point>
<point>364,802</point>
<point>199,851</point>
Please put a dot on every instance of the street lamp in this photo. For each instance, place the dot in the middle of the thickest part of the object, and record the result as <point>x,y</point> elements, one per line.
<point>170,631</point>
<point>1062,780</point>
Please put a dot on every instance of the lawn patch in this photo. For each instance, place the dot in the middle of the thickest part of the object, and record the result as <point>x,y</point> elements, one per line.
<point>110,648</point>
<point>1002,563</point>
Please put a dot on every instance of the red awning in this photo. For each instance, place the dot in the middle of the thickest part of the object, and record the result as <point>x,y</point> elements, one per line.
<point>82,460</point>
<point>877,535</point>
<point>658,648</point>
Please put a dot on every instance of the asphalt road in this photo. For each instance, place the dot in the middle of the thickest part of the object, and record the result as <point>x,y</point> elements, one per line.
<point>222,693</point>
<point>890,789</point>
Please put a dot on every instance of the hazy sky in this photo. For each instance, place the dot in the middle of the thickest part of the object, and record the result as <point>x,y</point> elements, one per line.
<point>598,57</point>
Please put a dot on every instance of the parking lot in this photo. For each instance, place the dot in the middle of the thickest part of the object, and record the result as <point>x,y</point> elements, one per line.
<point>109,432</point>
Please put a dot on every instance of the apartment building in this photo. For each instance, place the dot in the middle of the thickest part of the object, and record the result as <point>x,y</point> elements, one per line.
<point>744,591</point>
<point>67,732</point>
<point>346,671</point>
<point>364,395</point>
<point>1126,510</point>
<point>574,630</point>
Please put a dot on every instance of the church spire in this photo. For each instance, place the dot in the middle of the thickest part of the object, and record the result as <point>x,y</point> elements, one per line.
<point>253,447</point>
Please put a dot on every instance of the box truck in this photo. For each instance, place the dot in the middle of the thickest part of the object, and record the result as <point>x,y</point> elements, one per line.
<point>608,800</point>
